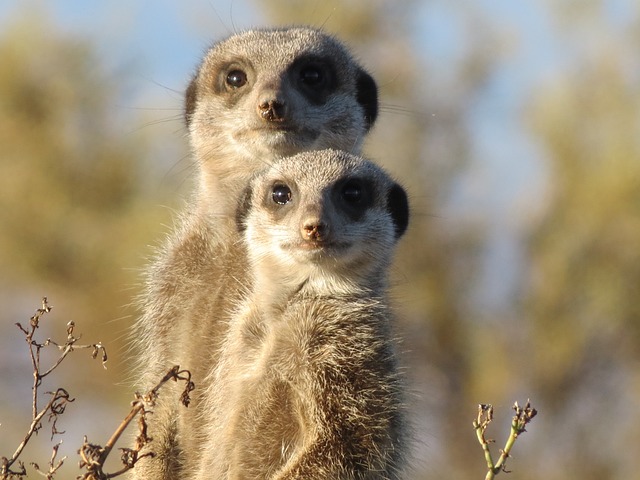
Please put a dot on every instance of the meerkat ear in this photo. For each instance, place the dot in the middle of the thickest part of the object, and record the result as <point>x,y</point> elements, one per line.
<point>244,204</point>
<point>190,101</point>
<point>367,96</point>
<point>398,205</point>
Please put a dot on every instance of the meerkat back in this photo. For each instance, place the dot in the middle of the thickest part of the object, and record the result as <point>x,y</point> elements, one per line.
<point>308,383</point>
<point>257,97</point>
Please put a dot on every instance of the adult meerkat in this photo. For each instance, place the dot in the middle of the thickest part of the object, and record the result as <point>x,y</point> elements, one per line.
<point>307,384</point>
<point>257,97</point>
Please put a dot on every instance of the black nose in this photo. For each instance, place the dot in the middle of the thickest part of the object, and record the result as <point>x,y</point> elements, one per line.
<point>272,110</point>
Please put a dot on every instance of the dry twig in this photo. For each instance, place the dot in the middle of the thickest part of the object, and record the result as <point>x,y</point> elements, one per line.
<point>485,415</point>
<point>94,456</point>
<point>59,398</point>
<point>53,466</point>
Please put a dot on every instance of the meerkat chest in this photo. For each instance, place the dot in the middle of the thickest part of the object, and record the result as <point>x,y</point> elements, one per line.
<point>309,336</point>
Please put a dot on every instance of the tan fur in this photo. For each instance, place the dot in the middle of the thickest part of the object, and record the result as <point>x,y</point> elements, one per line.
<point>199,276</point>
<point>308,386</point>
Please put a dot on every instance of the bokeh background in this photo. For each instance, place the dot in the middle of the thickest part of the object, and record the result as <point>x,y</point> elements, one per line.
<point>514,125</point>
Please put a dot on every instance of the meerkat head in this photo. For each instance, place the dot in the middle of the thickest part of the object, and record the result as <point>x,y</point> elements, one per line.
<point>335,223</point>
<point>276,92</point>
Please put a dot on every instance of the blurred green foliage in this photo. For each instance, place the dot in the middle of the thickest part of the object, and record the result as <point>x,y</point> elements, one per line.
<point>74,214</point>
<point>583,255</point>
<point>76,218</point>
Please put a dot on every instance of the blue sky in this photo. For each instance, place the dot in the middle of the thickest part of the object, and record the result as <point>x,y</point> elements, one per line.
<point>164,35</point>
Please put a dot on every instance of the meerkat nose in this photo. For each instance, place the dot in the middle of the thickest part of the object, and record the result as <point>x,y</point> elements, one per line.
<point>314,230</point>
<point>272,109</point>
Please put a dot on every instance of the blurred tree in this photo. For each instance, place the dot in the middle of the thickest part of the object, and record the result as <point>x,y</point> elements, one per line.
<point>584,249</point>
<point>74,220</point>
<point>422,137</point>
<point>70,195</point>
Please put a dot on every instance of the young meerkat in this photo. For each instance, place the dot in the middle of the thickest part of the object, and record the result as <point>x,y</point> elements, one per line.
<point>258,96</point>
<point>307,385</point>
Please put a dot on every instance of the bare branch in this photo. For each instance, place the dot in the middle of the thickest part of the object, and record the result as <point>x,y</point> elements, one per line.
<point>53,466</point>
<point>485,415</point>
<point>59,398</point>
<point>93,457</point>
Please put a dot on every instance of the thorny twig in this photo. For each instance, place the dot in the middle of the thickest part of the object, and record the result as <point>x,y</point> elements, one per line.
<point>520,420</point>
<point>59,398</point>
<point>94,456</point>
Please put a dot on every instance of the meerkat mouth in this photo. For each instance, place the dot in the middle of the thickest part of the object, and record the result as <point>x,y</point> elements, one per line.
<point>286,137</point>
<point>284,132</point>
<point>319,250</point>
<point>279,127</point>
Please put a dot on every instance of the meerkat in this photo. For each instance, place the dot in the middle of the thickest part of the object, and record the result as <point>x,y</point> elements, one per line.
<point>307,385</point>
<point>257,97</point>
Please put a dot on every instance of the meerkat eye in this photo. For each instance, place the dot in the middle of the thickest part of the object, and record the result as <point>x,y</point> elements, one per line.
<point>281,194</point>
<point>236,78</point>
<point>312,75</point>
<point>352,192</point>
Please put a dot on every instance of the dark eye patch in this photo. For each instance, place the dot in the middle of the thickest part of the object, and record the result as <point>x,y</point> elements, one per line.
<point>355,196</point>
<point>353,192</point>
<point>314,77</point>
